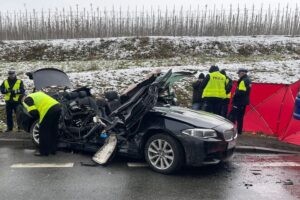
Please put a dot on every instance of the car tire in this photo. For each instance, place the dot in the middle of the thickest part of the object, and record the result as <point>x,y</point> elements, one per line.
<point>34,132</point>
<point>164,154</point>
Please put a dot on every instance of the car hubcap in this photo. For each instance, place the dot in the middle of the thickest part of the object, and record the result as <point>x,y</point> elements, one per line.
<point>160,154</point>
<point>35,133</point>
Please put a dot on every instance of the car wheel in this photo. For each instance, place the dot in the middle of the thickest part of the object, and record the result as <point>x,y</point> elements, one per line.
<point>164,154</point>
<point>35,133</point>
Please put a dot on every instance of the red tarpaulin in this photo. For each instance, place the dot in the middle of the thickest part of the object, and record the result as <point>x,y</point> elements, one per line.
<point>271,111</point>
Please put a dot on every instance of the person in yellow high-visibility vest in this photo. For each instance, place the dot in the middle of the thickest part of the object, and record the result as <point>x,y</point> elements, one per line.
<point>214,90</point>
<point>47,110</point>
<point>226,101</point>
<point>13,90</point>
<point>241,99</point>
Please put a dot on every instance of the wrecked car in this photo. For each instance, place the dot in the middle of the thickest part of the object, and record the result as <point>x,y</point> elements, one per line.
<point>167,137</point>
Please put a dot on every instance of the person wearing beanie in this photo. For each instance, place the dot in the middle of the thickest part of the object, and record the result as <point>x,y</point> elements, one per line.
<point>214,90</point>
<point>197,101</point>
<point>13,90</point>
<point>241,99</point>
<point>226,101</point>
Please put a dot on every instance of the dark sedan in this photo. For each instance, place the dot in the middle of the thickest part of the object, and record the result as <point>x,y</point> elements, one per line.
<point>168,137</point>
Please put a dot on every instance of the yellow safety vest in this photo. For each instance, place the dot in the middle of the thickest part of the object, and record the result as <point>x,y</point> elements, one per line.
<point>15,87</point>
<point>242,86</point>
<point>229,94</point>
<point>42,103</point>
<point>215,86</point>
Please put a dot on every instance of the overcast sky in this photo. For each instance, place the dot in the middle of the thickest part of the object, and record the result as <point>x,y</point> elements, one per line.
<point>11,5</point>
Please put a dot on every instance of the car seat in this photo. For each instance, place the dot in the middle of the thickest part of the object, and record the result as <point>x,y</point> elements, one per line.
<point>113,100</point>
<point>71,95</point>
<point>85,99</point>
<point>103,108</point>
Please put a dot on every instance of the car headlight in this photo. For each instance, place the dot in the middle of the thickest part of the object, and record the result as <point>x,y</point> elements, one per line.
<point>201,133</point>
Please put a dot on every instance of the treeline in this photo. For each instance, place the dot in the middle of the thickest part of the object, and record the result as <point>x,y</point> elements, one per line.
<point>200,21</point>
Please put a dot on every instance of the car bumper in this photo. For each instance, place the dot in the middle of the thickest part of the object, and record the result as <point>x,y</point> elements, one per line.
<point>200,152</point>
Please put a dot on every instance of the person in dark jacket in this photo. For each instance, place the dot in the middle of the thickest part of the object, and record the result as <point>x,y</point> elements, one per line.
<point>226,101</point>
<point>13,90</point>
<point>241,99</point>
<point>214,90</point>
<point>197,101</point>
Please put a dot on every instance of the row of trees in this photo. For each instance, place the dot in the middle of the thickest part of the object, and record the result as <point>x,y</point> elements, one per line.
<point>199,21</point>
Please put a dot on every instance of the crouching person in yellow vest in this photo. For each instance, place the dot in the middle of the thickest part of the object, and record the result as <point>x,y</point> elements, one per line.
<point>47,110</point>
<point>214,90</point>
<point>13,90</point>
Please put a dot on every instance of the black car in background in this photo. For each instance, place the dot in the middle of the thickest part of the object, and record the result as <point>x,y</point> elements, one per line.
<point>167,137</point>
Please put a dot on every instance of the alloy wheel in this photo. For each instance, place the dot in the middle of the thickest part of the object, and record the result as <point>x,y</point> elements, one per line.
<point>161,154</point>
<point>36,133</point>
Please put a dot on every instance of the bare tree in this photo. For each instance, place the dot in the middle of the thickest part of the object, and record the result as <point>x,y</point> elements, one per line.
<point>194,21</point>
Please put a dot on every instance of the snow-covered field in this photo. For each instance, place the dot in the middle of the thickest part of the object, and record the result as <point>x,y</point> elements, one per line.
<point>146,47</point>
<point>115,63</point>
<point>272,59</point>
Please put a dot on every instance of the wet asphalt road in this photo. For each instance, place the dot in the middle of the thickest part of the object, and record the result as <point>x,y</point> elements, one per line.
<point>245,177</point>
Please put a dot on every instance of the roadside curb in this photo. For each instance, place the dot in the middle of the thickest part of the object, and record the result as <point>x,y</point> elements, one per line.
<point>256,149</point>
<point>16,141</point>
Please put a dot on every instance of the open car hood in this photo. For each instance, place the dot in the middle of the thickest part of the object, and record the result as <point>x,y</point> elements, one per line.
<point>49,77</point>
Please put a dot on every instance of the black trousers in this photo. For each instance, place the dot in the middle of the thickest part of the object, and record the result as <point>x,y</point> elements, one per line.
<point>49,131</point>
<point>213,105</point>
<point>237,116</point>
<point>10,108</point>
<point>224,107</point>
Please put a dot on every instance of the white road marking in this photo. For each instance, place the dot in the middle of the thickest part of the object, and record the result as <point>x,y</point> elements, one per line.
<point>29,150</point>
<point>137,164</point>
<point>42,165</point>
<point>270,164</point>
<point>13,140</point>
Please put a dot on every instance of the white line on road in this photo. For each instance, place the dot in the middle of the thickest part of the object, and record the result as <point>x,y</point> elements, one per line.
<point>42,165</point>
<point>271,164</point>
<point>13,140</point>
<point>137,164</point>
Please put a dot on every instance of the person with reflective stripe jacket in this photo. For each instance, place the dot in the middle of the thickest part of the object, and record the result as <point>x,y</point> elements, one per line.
<point>226,101</point>
<point>13,90</point>
<point>197,101</point>
<point>43,107</point>
<point>241,99</point>
<point>213,90</point>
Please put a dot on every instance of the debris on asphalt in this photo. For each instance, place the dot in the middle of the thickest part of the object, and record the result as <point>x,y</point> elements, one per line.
<point>288,182</point>
<point>256,173</point>
<point>269,175</point>
<point>247,185</point>
<point>93,164</point>
<point>255,170</point>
